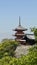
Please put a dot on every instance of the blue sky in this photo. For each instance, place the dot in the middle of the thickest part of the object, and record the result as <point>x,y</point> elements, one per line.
<point>10,10</point>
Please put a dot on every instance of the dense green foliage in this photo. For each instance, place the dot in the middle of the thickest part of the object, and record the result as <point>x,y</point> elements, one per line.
<point>7,49</point>
<point>35,32</point>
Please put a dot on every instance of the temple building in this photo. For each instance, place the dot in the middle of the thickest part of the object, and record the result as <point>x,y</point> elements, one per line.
<point>21,36</point>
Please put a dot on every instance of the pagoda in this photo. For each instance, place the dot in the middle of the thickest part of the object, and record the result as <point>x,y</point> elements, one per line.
<point>19,34</point>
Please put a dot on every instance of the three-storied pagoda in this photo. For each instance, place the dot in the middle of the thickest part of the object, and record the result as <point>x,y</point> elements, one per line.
<point>20,33</point>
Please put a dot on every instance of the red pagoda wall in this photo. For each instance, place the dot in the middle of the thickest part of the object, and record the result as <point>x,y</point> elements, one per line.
<point>19,36</point>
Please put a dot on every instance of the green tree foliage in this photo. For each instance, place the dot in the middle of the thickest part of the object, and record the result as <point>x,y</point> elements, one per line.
<point>7,49</point>
<point>35,32</point>
<point>33,29</point>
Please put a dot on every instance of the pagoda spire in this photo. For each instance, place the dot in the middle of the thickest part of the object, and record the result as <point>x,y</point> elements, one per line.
<point>19,21</point>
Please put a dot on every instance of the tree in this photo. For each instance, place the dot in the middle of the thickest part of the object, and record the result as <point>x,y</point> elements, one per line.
<point>8,47</point>
<point>35,32</point>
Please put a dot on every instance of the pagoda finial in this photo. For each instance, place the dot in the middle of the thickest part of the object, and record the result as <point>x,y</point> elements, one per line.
<point>19,21</point>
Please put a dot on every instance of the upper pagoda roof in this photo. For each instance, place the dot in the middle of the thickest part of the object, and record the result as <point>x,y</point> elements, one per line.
<point>20,27</point>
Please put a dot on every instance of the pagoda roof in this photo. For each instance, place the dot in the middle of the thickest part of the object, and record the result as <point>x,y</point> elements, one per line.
<point>30,36</point>
<point>19,34</point>
<point>20,27</point>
